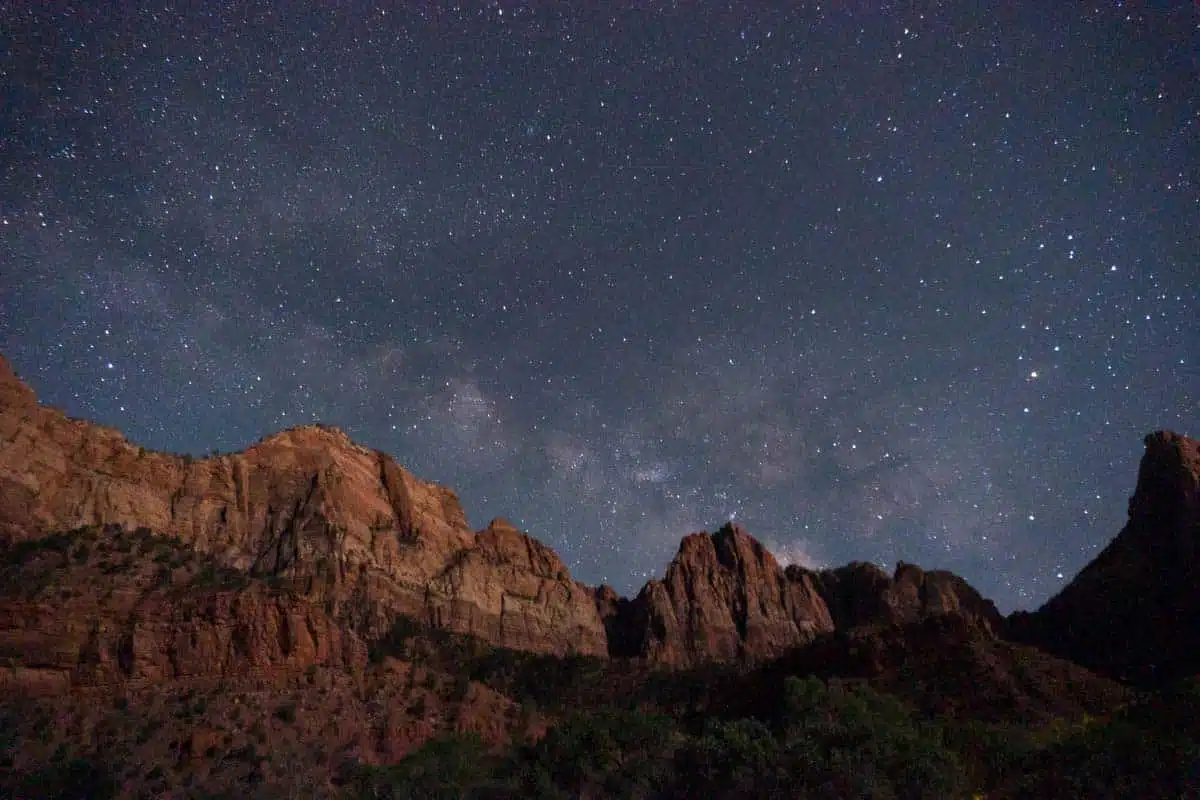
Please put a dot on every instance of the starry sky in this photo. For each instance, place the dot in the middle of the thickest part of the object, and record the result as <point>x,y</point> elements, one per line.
<point>878,280</point>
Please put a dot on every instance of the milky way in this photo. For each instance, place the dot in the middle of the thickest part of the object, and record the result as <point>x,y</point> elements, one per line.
<point>880,281</point>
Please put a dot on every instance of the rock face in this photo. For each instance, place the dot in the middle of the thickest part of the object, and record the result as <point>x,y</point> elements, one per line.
<point>371,539</point>
<point>363,540</point>
<point>511,588</point>
<point>861,594</point>
<point>1132,612</point>
<point>101,607</point>
<point>229,634</point>
<point>724,597</point>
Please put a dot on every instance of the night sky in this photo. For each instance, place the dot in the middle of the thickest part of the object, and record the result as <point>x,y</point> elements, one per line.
<point>879,280</point>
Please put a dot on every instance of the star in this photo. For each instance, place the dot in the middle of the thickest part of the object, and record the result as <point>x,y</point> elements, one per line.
<point>625,287</point>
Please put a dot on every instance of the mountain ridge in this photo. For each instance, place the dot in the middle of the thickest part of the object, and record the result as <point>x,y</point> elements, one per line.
<point>165,617</point>
<point>373,540</point>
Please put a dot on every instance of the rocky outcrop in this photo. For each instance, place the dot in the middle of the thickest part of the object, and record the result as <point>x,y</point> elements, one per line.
<point>510,588</point>
<point>101,607</point>
<point>371,539</point>
<point>861,594</point>
<point>54,647</point>
<point>724,597</point>
<point>1132,612</point>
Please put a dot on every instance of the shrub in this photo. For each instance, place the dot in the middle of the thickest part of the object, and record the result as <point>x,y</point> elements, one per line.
<point>613,753</point>
<point>286,713</point>
<point>850,736</point>
<point>448,767</point>
<point>732,758</point>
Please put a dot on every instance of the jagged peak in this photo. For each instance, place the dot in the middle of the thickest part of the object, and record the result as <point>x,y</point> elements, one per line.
<point>308,434</point>
<point>502,525</point>
<point>1169,472</point>
<point>1131,611</point>
<point>14,391</point>
<point>729,537</point>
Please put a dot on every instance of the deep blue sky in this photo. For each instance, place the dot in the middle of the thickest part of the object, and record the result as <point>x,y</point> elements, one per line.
<point>881,280</point>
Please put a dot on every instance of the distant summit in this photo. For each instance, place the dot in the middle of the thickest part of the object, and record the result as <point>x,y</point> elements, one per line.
<point>1133,613</point>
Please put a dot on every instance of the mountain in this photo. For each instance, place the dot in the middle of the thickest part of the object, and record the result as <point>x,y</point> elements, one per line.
<point>1133,613</point>
<point>724,597</point>
<point>368,540</point>
<point>308,618</point>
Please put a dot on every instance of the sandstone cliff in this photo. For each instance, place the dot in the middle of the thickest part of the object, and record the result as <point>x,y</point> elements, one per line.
<point>97,608</point>
<point>724,597</point>
<point>861,594</point>
<point>364,540</point>
<point>370,539</point>
<point>1132,612</point>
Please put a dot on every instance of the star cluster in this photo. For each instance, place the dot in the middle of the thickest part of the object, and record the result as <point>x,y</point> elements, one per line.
<point>880,281</point>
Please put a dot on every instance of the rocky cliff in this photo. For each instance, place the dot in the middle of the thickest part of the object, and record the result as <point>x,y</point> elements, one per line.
<point>95,608</point>
<point>363,540</point>
<point>1132,612</point>
<point>369,538</point>
<point>724,597</point>
<point>861,594</point>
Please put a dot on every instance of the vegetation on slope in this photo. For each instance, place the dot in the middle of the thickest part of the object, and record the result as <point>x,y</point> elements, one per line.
<point>496,723</point>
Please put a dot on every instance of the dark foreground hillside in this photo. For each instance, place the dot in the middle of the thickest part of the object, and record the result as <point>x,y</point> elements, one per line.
<point>826,740</point>
<point>939,708</point>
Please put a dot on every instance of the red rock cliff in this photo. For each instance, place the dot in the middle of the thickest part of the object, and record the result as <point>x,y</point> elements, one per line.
<point>371,538</point>
<point>724,597</point>
<point>364,540</point>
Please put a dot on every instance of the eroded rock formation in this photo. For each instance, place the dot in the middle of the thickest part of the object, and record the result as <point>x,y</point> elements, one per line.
<point>724,597</point>
<point>861,594</point>
<point>361,540</point>
<point>1132,612</point>
<point>371,539</point>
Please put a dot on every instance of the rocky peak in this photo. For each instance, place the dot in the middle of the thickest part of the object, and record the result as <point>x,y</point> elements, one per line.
<point>731,548</point>
<point>502,543</point>
<point>1166,500</point>
<point>1131,613</point>
<point>723,597</point>
<point>13,392</point>
<point>862,594</point>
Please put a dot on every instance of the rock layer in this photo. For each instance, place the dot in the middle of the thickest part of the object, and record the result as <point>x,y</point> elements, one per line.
<point>1132,612</point>
<point>99,607</point>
